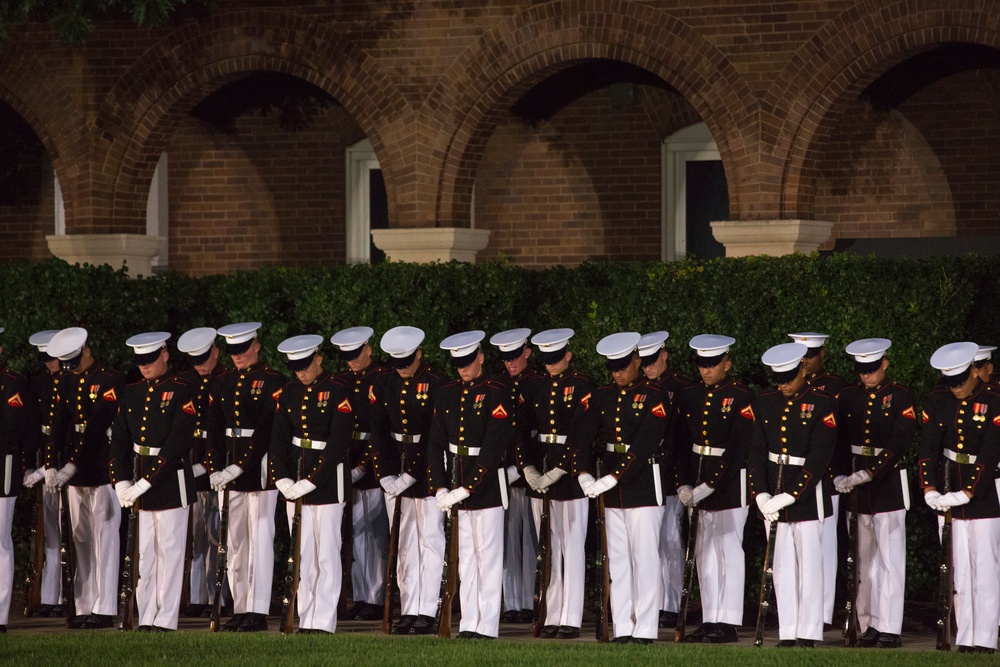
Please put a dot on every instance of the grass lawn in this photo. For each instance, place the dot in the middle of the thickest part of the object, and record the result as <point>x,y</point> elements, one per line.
<point>201,648</point>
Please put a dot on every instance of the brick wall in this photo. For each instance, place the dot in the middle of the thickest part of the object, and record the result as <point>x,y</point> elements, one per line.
<point>258,193</point>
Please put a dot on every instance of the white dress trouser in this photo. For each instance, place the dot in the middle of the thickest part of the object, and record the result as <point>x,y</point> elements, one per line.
<point>95,516</point>
<point>882,570</point>
<point>370,547</point>
<point>480,569</point>
<point>421,556</point>
<point>52,570</point>
<point>520,551</point>
<point>204,546</point>
<point>975,548</point>
<point>162,540</point>
<point>568,523</point>
<point>830,558</point>
<point>798,579</point>
<point>634,552</point>
<point>721,566</point>
<point>321,571</point>
<point>671,554</point>
<point>6,556</point>
<point>251,549</point>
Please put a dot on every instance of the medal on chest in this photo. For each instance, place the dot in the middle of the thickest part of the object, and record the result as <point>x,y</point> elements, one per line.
<point>165,399</point>
<point>979,412</point>
<point>727,405</point>
<point>638,401</point>
<point>807,410</point>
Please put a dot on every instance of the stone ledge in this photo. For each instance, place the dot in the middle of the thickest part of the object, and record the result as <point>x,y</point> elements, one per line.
<point>135,250</point>
<point>770,237</point>
<point>431,244</point>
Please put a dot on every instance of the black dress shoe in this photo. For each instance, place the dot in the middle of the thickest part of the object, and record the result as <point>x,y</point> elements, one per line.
<point>3,629</point>
<point>699,635</point>
<point>253,623</point>
<point>465,634</point>
<point>869,639</point>
<point>371,612</point>
<point>966,649</point>
<point>548,631</point>
<point>508,616</point>
<point>805,643</point>
<point>523,617</point>
<point>353,611</point>
<point>786,643</point>
<point>668,619</point>
<point>424,625</point>
<point>76,622</point>
<point>477,635</point>
<point>402,626</point>
<point>985,650</point>
<point>640,640</point>
<point>98,622</point>
<point>57,611</point>
<point>194,611</point>
<point>624,639</point>
<point>304,631</point>
<point>722,633</point>
<point>144,628</point>
<point>886,640</point>
<point>42,611</point>
<point>233,623</point>
<point>567,632</point>
<point>157,628</point>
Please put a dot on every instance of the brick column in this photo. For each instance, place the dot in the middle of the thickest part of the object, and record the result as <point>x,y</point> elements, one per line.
<point>431,244</point>
<point>134,250</point>
<point>770,237</point>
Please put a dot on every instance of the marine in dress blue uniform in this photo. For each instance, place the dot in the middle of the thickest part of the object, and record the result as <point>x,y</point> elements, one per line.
<point>152,437</point>
<point>795,433</point>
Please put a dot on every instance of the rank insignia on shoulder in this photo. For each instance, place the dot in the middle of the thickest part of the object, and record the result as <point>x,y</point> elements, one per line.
<point>585,401</point>
<point>747,413</point>
<point>110,395</point>
<point>344,406</point>
<point>910,413</point>
<point>830,421</point>
<point>499,412</point>
<point>15,401</point>
<point>371,394</point>
<point>996,420</point>
<point>276,395</point>
<point>924,416</point>
<point>659,410</point>
<point>189,408</point>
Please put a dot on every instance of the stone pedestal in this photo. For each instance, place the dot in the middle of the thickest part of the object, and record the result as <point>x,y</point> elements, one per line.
<point>431,244</point>
<point>770,237</point>
<point>134,250</point>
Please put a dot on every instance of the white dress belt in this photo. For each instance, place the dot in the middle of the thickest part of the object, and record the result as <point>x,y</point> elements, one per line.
<point>618,447</point>
<point>705,450</point>
<point>959,457</point>
<point>786,459</point>
<point>462,450</point>
<point>142,450</point>
<point>406,437</point>
<point>865,450</point>
<point>552,438</point>
<point>239,432</point>
<point>307,443</point>
<point>360,435</point>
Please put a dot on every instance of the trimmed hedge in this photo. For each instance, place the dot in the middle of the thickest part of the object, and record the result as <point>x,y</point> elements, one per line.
<point>919,304</point>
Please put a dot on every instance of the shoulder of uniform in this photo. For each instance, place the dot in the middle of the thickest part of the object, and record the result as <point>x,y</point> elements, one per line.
<point>110,372</point>
<point>741,388</point>
<point>450,384</point>
<point>137,383</point>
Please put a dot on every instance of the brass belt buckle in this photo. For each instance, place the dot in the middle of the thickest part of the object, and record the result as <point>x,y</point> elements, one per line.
<point>867,451</point>
<point>961,458</point>
<point>305,443</point>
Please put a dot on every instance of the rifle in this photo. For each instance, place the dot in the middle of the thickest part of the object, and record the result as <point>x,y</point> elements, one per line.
<point>543,567</point>
<point>188,558</point>
<point>67,554</point>
<point>853,573</point>
<point>130,567</point>
<point>946,589</point>
<point>294,558</point>
<point>222,570</point>
<point>688,579</point>
<point>391,561</point>
<point>449,574</point>
<point>767,576</point>
<point>604,592</point>
<point>33,583</point>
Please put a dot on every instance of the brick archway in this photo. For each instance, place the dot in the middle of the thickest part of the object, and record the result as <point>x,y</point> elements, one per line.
<point>836,65</point>
<point>138,115</point>
<point>511,58</point>
<point>48,108</point>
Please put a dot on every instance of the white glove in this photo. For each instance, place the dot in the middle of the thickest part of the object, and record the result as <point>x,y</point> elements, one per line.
<point>762,499</point>
<point>120,489</point>
<point>685,494</point>
<point>953,499</point>
<point>59,478</point>
<point>550,478</point>
<point>512,474</point>
<point>50,479</point>
<point>840,483</point>
<point>531,475</point>
<point>856,479</point>
<point>299,489</point>
<point>218,480</point>
<point>357,473</point>
<point>586,481</point>
<point>402,483</point>
<point>605,483</point>
<point>932,498</point>
<point>32,477</point>
<point>132,493</point>
<point>701,492</point>
<point>284,484</point>
<point>777,503</point>
<point>771,518</point>
<point>445,502</point>
<point>387,483</point>
<point>198,470</point>
<point>440,493</point>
